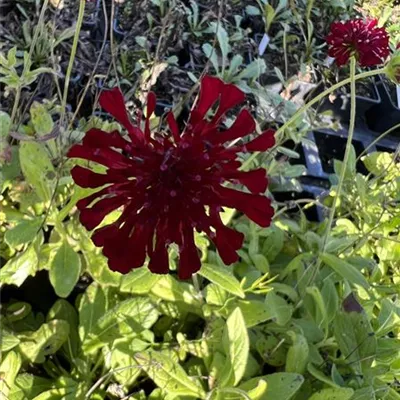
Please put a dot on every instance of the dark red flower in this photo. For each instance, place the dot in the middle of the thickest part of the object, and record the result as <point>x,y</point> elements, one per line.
<point>361,38</point>
<point>170,183</point>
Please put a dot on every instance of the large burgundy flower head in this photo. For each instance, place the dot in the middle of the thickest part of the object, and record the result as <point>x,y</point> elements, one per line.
<point>359,38</point>
<point>169,183</point>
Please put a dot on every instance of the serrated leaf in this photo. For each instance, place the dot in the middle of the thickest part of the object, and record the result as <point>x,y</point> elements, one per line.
<point>221,277</point>
<point>37,169</point>
<point>345,270</point>
<point>64,270</point>
<point>168,375</point>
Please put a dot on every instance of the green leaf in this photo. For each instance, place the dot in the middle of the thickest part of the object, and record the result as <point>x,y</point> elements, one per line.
<point>37,169</point>
<point>18,268</point>
<point>138,281</point>
<point>8,341</point>
<point>62,309</point>
<point>41,119</point>
<point>5,124</point>
<point>9,368</point>
<point>254,311</point>
<point>123,362</point>
<point>168,375</point>
<point>273,243</point>
<point>280,385</point>
<point>131,316</point>
<point>280,310</point>
<point>18,311</point>
<point>388,319</point>
<point>169,289</point>
<point>356,340</point>
<point>46,340</point>
<point>223,278</point>
<point>345,270</point>
<point>378,162</point>
<point>331,299</point>
<point>235,341</point>
<point>298,354</point>
<point>28,386</point>
<point>333,394</point>
<point>23,233</point>
<point>92,307</point>
<point>64,270</point>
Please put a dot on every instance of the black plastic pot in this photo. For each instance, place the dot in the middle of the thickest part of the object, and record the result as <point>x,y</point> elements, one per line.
<point>340,106</point>
<point>387,114</point>
<point>313,213</point>
<point>332,147</point>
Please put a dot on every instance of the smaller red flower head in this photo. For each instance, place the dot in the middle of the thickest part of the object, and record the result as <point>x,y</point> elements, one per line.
<point>169,183</point>
<point>359,38</point>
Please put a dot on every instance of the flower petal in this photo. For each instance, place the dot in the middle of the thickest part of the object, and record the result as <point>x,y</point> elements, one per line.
<point>189,260</point>
<point>243,126</point>
<point>98,138</point>
<point>256,207</point>
<point>92,217</point>
<point>159,262</point>
<point>262,142</point>
<point>228,241</point>
<point>113,102</point>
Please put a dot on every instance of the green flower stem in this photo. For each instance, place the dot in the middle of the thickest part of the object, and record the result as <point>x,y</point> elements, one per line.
<point>79,22</point>
<point>344,164</point>
<point>315,100</point>
<point>348,147</point>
